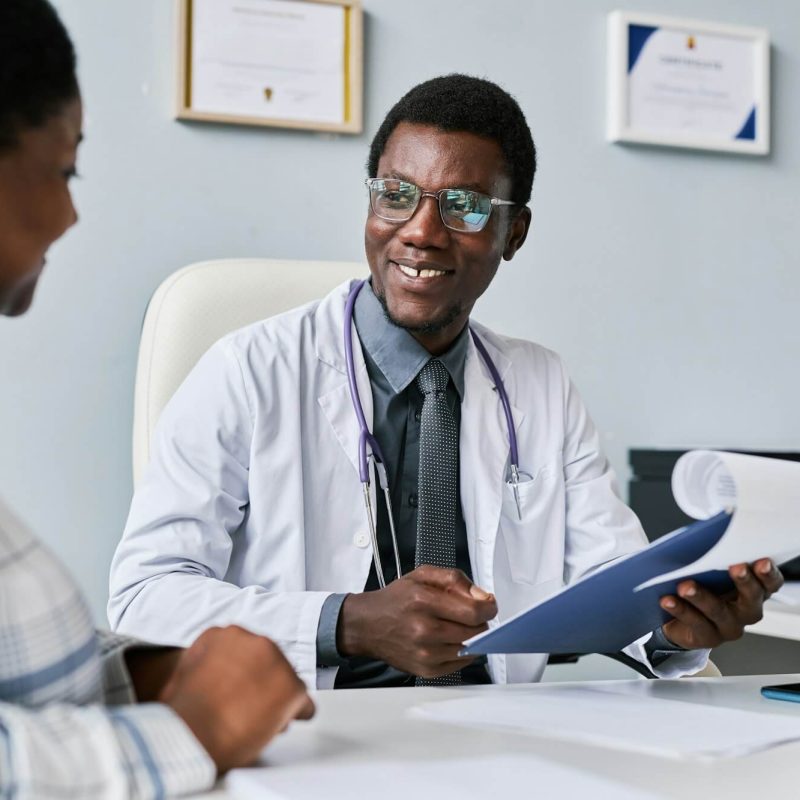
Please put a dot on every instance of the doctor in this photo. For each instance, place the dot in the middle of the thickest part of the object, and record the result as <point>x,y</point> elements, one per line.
<point>251,511</point>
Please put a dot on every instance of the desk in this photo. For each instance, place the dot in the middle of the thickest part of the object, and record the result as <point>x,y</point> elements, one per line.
<point>358,726</point>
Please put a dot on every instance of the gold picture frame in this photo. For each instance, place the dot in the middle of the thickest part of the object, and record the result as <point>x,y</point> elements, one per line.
<point>352,77</point>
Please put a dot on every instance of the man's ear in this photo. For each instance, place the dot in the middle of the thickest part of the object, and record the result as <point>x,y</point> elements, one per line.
<point>517,233</point>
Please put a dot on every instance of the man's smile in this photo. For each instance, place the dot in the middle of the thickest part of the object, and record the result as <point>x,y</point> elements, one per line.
<point>422,271</point>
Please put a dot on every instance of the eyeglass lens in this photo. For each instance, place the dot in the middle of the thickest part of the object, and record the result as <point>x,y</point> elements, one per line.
<point>461,209</point>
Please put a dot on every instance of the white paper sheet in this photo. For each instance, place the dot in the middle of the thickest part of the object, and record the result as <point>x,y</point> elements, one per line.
<point>269,58</point>
<point>641,724</point>
<point>763,494</point>
<point>706,91</point>
<point>485,777</point>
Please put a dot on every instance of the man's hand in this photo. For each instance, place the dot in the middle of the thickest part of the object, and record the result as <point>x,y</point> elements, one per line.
<point>704,619</point>
<point>417,623</point>
<point>235,690</point>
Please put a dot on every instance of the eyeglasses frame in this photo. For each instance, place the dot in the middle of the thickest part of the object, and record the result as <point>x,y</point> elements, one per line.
<point>495,201</point>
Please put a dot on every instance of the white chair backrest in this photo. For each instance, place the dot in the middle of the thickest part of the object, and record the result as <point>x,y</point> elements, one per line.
<point>197,305</point>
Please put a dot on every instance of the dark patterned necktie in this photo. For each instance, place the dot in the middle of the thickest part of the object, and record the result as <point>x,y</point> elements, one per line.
<point>438,477</point>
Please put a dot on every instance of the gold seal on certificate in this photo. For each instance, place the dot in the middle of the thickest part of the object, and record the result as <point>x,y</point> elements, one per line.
<point>687,83</point>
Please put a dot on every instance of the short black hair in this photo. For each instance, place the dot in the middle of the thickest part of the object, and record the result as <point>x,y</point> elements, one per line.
<point>465,103</point>
<point>37,67</point>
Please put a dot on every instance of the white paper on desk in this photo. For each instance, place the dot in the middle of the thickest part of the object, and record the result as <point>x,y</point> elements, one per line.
<point>486,776</point>
<point>764,494</point>
<point>649,725</point>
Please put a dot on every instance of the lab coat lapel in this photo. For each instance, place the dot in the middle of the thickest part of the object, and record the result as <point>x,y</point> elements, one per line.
<point>336,403</point>
<point>333,399</point>
<point>484,456</point>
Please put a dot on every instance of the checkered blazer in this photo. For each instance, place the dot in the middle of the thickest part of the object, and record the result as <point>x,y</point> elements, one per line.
<point>67,726</point>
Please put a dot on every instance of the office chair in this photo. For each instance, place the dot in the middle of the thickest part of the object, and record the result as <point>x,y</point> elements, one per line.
<point>202,302</point>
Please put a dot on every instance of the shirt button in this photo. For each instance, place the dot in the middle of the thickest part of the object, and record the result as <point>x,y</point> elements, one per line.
<point>412,500</point>
<point>361,540</point>
<point>417,415</point>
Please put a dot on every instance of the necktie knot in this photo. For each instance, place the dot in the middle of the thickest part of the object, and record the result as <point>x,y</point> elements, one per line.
<point>433,377</point>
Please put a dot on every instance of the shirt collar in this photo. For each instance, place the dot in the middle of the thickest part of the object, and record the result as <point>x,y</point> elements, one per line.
<point>396,353</point>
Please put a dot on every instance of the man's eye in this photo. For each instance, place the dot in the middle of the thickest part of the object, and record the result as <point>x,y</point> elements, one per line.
<point>397,199</point>
<point>462,205</point>
<point>70,173</point>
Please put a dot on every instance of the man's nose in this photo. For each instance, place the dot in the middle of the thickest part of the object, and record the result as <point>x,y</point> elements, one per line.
<point>425,228</point>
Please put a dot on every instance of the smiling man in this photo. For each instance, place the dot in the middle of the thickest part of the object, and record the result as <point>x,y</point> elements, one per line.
<point>252,512</point>
<point>426,278</point>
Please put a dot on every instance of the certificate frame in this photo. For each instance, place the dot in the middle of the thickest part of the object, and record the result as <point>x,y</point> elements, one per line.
<point>625,47</point>
<point>353,76</point>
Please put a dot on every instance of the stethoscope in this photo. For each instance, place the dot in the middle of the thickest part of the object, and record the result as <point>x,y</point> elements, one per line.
<point>367,440</point>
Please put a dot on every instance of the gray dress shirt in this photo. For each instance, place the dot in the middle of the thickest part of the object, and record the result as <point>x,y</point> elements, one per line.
<point>394,358</point>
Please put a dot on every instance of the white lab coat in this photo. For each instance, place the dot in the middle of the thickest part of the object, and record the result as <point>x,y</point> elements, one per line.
<point>251,511</point>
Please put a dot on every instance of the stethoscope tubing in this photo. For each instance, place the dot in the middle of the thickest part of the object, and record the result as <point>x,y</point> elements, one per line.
<point>365,437</point>
<point>367,440</point>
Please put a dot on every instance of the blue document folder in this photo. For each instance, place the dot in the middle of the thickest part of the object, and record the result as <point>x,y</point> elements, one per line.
<point>603,613</point>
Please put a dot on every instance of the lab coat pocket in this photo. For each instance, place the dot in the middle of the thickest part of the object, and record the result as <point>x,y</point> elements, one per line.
<point>535,543</point>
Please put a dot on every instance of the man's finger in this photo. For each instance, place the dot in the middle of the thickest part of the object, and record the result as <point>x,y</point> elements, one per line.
<point>461,609</point>
<point>689,628</point>
<point>713,608</point>
<point>750,593</point>
<point>453,581</point>
<point>444,631</point>
<point>768,575</point>
<point>438,654</point>
<point>447,580</point>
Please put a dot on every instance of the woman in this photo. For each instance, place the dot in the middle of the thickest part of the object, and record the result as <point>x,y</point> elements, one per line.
<point>67,724</point>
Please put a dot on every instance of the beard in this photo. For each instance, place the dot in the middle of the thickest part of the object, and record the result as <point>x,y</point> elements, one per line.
<point>431,326</point>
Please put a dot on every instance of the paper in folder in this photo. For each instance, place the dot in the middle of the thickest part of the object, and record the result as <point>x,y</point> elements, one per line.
<point>748,508</point>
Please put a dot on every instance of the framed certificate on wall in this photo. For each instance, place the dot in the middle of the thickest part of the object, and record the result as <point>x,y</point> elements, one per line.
<point>285,63</point>
<point>686,83</point>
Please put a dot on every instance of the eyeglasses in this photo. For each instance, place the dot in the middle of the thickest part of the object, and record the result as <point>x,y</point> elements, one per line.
<point>461,209</point>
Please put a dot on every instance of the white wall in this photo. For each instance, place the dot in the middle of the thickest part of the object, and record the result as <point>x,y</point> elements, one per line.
<point>667,279</point>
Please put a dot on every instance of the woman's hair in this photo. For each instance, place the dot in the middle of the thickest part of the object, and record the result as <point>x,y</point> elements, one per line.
<point>37,67</point>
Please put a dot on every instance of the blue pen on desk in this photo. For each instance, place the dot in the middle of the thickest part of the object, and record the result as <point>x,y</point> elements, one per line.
<point>786,691</point>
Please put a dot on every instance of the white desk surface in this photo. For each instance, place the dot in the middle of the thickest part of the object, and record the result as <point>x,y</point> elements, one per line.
<point>370,724</point>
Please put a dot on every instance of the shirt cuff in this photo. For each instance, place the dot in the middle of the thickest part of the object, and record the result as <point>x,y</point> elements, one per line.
<point>327,652</point>
<point>659,648</point>
<point>161,755</point>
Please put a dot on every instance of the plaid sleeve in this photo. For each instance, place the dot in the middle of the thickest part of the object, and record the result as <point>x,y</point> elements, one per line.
<point>117,685</point>
<point>137,752</point>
